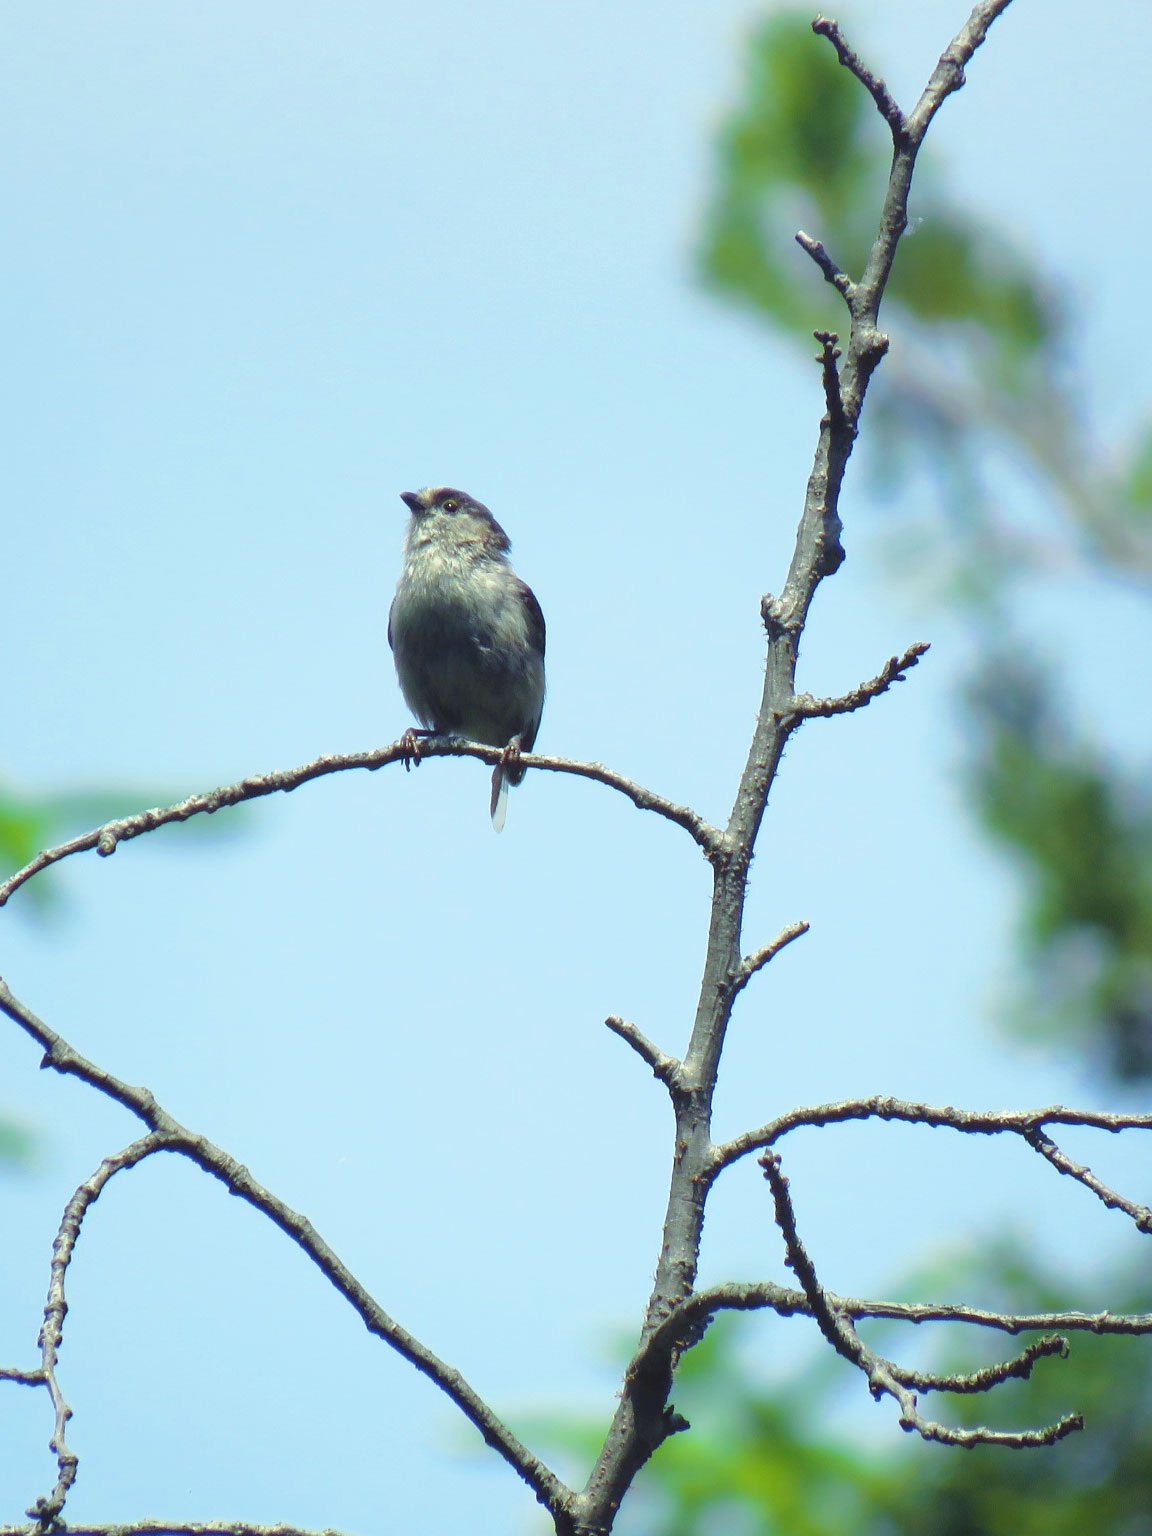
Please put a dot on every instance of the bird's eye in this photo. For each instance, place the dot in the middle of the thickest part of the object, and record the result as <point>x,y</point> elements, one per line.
<point>451,505</point>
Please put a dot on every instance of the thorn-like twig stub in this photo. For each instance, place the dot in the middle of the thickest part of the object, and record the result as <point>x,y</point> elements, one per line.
<point>665,1067</point>
<point>760,957</point>
<point>828,357</point>
<point>771,611</point>
<point>833,274</point>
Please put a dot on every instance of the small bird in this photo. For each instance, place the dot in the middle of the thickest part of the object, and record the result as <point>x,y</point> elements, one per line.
<point>467,634</point>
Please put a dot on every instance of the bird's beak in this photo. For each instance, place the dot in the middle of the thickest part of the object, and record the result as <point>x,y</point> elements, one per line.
<point>411,500</point>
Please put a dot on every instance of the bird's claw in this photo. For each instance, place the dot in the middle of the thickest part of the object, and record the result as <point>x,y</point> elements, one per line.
<point>410,747</point>
<point>511,753</point>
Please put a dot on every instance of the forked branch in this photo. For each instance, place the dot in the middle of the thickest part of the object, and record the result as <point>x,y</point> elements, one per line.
<point>883,1377</point>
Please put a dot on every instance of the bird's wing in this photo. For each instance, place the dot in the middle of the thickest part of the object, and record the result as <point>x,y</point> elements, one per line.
<point>534,616</point>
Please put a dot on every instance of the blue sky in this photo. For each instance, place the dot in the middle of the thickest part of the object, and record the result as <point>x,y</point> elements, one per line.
<point>268,266</point>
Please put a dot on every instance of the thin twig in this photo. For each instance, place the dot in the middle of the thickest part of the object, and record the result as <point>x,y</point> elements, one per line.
<point>894,671</point>
<point>107,838</point>
<point>1105,1322</point>
<point>663,1066</point>
<point>832,1325</point>
<point>1019,1367</point>
<point>948,76</point>
<point>1048,1149</point>
<point>824,26</point>
<point>833,274</point>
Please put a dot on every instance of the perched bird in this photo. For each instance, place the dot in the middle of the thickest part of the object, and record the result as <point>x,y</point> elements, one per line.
<point>466,634</point>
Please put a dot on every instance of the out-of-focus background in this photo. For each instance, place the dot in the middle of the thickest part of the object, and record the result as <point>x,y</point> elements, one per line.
<point>268,267</point>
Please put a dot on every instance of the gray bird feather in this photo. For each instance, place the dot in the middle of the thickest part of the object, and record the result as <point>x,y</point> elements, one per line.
<point>467,635</point>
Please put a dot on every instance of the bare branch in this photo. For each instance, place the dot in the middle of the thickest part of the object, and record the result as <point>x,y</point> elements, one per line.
<point>1019,1122</point>
<point>174,1137</point>
<point>894,671</point>
<point>824,26</point>
<point>106,839</point>
<point>765,1295</point>
<point>663,1066</point>
<point>47,1510</point>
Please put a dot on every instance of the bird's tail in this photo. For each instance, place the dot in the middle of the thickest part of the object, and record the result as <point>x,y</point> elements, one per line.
<point>499,806</point>
<point>509,770</point>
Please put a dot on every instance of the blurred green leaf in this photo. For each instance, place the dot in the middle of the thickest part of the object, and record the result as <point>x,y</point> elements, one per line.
<point>17,1143</point>
<point>1082,834</point>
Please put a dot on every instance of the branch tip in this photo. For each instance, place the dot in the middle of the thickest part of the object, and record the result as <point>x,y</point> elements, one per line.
<point>895,670</point>
<point>886,103</point>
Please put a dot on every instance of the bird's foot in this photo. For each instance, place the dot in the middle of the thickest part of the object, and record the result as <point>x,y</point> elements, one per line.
<point>510,757</point>
<point>410,747</point>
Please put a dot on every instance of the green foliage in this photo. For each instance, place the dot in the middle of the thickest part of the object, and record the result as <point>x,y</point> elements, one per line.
<point>1137,485</point>
<point>1083,836</point>
<point>17,1144</point>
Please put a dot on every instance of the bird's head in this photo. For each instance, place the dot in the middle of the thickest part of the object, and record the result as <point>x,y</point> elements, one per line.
<point>450,518</point>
